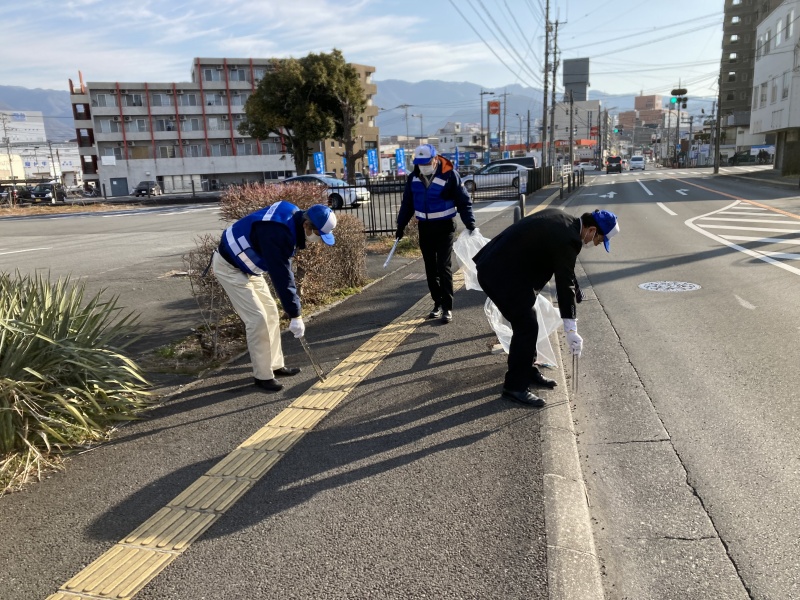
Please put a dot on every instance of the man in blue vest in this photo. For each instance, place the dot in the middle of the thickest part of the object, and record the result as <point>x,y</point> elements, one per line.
<point>434,194</point>
<point>265,242</point>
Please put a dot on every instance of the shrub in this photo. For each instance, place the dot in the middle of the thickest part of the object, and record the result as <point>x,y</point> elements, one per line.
<point>63,378</point>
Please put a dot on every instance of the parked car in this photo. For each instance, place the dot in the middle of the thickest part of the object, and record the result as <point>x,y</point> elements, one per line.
<point>584,165</point>
<point>637,162</point>
<point>525,161</point>
<point>147,188</point>
<point>21,192</point>
<point>614,163</point>
<point>46,191</point>
<point>340,194</point>
<point>495,175</point>
<point>742,157</point>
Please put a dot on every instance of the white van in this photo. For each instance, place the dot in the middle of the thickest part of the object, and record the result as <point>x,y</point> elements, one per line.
<point>637,162</point>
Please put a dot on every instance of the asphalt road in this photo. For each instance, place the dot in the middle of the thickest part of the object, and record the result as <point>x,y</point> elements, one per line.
<point>688,418</point>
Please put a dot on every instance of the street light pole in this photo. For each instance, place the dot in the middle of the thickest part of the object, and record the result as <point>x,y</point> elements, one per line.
<point>421,135</point>
<point>481,95</point>
<point>519,116</point>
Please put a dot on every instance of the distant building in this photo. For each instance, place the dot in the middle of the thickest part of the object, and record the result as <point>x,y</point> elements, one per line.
<point>575,74</point>
<point>21,126</point>
<point>185,134</point>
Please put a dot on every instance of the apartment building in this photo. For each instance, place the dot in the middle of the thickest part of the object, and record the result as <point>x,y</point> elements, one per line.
<point>183,134</point>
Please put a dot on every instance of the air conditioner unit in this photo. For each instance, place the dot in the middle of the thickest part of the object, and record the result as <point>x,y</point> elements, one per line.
<point>123,91</point>
<point>120,144</point>
<point>117,119</point>
<point>225,117</point>
<point>234,93</point>
<point>185,142</point>
<point>227,142</point>
<point>172,118</point>
<point>128,119</point>
<point>219,68</point>
<point>240,140</point>
<point>168,92</point>
<point>183,117</point>
<point>179,92</point>
<point>131,143</point>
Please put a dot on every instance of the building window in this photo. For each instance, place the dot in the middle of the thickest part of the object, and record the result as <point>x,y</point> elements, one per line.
<point>790,24</point>
<point>132,100</point>
<point>238,74</point>
<point>774,93</point>
<point>759,46</point>
<point>104,125</point>
<point>166,152</point>
<point>270,147</point>
<point>259,73</point>
<point>215,99</point>
<point>217,124</point>
<point>187,99</point>
<point>735,20</point>
<point>192,125</point>
<point>162,100</point>
<point>731,96</point>
<point>767,39</point>
<point>755,97</point>
<point>763,96</point>
<point>779,33</point>
<point>212,74</point>
<point>736,2</point>
<point>734,38</point>
<point>220,150</point>
<point>732,57</point>
<point>140,125</point>
<point>731,75</point>
<point>192,150</point>
<point>164,124</point>
<point>333,144</point>
<point>787,78</point>
<point>246,149</point>
<point>743,77</point>
<point>105,100</point>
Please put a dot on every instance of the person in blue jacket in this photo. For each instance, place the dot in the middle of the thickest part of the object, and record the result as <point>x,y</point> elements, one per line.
<point>265,242</point>
<point>434,194</point>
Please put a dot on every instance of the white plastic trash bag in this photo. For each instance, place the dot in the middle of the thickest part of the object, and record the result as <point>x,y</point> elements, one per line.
<point>548,318</point>
<point>465,247</point>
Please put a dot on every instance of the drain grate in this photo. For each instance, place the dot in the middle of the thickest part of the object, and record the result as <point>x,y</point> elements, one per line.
<point>669,286</point>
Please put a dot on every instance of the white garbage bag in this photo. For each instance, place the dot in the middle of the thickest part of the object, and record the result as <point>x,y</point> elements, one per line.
<point>465,247</point>
<point>548,318</point>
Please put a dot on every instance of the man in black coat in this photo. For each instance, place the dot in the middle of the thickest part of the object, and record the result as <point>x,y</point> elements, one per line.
<point>520,261</point>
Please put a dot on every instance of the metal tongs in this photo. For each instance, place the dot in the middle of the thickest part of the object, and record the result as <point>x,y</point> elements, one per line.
<point>391,253</point>
<point>317,368</point>
<point>575,364</point>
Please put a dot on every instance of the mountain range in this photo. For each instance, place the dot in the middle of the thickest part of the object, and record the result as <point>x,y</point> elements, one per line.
<point>431,104</point>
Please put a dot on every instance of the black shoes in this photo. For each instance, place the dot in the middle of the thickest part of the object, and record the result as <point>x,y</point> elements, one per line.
<point>268,385</point>
<point>525,396</point>
<point>436,313</point>
<point>447,316</point>
<point>286,371</point>
<point>537,378</point>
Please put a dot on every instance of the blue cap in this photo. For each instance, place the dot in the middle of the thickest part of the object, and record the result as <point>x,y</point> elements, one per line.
<point>424,154</point>
<point>608,225</point>
<point>324,220</point>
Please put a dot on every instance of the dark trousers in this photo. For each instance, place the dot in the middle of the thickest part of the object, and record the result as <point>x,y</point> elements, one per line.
<point>436,243</point>
<point>518,310</point>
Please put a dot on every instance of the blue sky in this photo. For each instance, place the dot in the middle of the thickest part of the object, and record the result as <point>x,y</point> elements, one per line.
<point>634,45</point>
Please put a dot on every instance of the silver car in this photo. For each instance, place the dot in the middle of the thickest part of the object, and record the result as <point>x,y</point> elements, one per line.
<point>340,194</point>
<point>500,175</point>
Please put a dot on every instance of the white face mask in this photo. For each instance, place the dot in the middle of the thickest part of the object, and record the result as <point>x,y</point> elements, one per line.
<point>313,238</point>
<point>427,170</point>
<point>590,243</point>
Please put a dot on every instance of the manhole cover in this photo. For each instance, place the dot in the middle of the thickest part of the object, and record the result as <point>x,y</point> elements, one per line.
<point>669,286</point>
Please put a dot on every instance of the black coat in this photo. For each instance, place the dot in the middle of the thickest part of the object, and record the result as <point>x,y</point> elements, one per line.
<point>527,254</point>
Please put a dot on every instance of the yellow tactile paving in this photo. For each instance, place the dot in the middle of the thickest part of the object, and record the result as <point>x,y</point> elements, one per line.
<point>279,439</point>
<point>214,494</point>
<point>129,565</point>
<point>171,529</point>
<point>250,464</point>
<point>119,573</point>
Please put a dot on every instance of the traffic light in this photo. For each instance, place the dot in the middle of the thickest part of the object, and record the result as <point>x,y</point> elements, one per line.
<point>616,129</point>
<point>673,100</point>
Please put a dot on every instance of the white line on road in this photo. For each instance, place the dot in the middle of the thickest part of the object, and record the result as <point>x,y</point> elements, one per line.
<point>781,255</point>
<point>778,221</point>
<point>721,240</point>
<point>746,238</point>
<point>744,302</point>
<point>649,193</point>
<point>668,211</point>
<point>26,250</point>
<point>683,192</point>
<point>751,228</point>
<point>743,207</point>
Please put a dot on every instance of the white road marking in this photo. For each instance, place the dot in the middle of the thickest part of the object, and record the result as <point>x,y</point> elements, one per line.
<point>609,195</point>
<point>751,228</point>
<point>668,211</point>
<point>26,250</point>
<point>683,192</point>
<point>744,302</point>
<point>745,238</point>
<point>782,255</point>
<point>787,221</point>
<point>649,193</point>
<point>758,255</point>
<point>743,207</point>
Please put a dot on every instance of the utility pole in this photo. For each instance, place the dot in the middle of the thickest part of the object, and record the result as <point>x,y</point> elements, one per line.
<point>551,146</point>
<point>717,141</point>
<point>571,141</point>
<point>546,76</point>
<point>481,95</point>
<point>7,139</point>
<point>505,94</point>
<point>405,142</point>
<point>528,134</point>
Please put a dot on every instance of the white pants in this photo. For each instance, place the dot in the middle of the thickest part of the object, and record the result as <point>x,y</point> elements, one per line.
<point>252,301</point>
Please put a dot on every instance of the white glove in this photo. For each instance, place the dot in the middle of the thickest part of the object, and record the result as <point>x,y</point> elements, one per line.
<point>297,327</point>
<point>574,341</point>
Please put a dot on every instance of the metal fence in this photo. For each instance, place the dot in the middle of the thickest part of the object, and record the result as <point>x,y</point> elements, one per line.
<point>379,215</point>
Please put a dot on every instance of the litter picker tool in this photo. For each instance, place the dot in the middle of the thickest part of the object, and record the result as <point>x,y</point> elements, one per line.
<point>314,363</point>
<point>575,366</point>
<point>391,253</point>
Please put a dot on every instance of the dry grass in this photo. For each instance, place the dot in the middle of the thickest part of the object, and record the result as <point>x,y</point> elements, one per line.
<point>50,209</point>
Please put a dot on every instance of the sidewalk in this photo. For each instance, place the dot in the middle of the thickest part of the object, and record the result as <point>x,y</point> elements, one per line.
<point>404,475</point>
<point>768,176</point>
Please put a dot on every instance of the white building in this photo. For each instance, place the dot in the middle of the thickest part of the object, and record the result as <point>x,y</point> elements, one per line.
<point>776,84</point>
<point>185,134</point>
<point>22,126</point>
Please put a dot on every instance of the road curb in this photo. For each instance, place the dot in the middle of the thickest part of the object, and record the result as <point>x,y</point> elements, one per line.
<point>573,569</point>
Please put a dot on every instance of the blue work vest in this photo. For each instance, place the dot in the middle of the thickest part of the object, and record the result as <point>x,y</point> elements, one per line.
<point>236,238</point>
<point>428,202</point>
